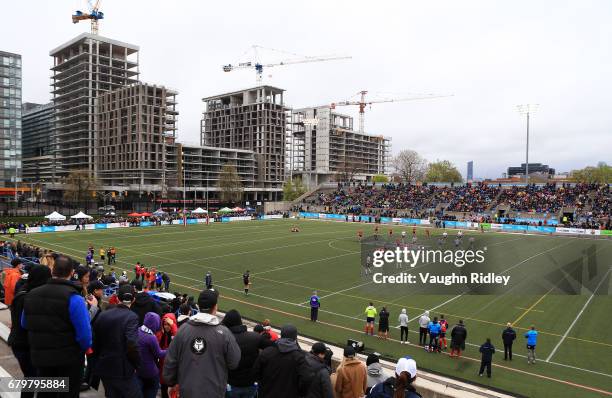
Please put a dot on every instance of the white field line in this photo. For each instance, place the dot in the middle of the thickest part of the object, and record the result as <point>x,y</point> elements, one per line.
<point>234,243</point>
<point>571,326</point>
<point>352,317</point>
<point>501,273</point>
<point>207,258</point>
<point>370,282</point>
<point>498,297</point>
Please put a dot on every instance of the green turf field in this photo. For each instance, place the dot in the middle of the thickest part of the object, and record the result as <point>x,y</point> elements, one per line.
<point>574,348</point>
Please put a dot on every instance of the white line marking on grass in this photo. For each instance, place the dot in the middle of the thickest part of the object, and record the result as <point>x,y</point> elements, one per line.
<point>571,326</point>
<point>337,248</point>
<point>501,273</point>
<point>339,292</point>
<point>236,243</point>
<point>343,315</point>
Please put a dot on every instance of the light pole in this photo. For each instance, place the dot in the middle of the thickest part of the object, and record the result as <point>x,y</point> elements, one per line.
<point>184,187</point>
<point>527,110</point>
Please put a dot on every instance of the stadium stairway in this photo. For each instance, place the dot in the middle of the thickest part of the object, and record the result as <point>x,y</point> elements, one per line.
<point>429,385</point>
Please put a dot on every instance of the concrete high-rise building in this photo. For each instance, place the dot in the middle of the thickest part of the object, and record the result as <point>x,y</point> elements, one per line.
<point>83,68</point>
<point>254,120</point>
<point>10,121</point>
<point>134,126</point>
<point>39,142</point>
<point>324,147</point>
<point>470,170</point>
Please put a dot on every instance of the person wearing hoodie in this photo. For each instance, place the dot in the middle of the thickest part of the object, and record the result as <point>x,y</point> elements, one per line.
<point>150,354</point>
<point>241,380</point>
<point>201,353</point>
<point>508,337</point>
<point>351,376</point>
<point>376,373</point>
<point>281,369</point>
<point>144,302</point>
<point>320,386</point>
<point>164,336</point>
<point>423,328</point>
<point>487,350</point>
<point>18,337</point>
<point>403,324</point>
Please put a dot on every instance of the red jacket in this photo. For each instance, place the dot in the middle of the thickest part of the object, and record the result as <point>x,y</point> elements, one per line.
<point>164,340</point>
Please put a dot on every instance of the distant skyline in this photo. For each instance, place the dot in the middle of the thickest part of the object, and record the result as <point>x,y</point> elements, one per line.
<point>491,55</point>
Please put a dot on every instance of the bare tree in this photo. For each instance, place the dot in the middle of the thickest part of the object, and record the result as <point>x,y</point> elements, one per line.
<point>347,169</point>
<point>79,186</point>
<point>410,166</point>
<point>230,187</point>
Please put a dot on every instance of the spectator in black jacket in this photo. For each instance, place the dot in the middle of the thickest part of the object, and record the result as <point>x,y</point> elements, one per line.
<point>143,303</point>
<point>18,338</point>
<point>116,348</point>
<point>458,337</point>
<point>508,336</point>
<point>281,369</point>
<point>242,379</point>
<point>487,350</point>
<point>320,387</point>
<point>59,330</point>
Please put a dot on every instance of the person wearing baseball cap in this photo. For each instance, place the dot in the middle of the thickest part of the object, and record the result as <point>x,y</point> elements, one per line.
<point>202,352</point>
<point>116,353</point>
<point>400,386</point>
<point>320,386</point>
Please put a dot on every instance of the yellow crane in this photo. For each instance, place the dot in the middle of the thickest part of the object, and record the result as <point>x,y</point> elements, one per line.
<point>94,15</point>
<point>362,103</point>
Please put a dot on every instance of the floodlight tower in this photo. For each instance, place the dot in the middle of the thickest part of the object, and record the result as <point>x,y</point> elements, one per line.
<point>527,110</point>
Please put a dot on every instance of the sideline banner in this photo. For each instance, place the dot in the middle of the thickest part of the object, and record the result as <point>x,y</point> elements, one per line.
<point>272,217</point>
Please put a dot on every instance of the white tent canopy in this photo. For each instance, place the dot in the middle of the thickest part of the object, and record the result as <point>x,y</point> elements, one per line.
<point>55,216</point>
<point>81,215</point>
<point>199,210</point>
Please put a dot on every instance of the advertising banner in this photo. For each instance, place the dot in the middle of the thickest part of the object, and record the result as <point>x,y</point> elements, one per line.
<point>272,217</point>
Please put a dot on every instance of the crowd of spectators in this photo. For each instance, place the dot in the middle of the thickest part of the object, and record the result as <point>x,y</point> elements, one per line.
<point>137,346</point>
<point>590,202</point>
<point>544,199</point>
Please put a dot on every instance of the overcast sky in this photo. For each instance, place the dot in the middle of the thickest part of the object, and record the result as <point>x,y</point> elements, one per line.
<point>492,55</point>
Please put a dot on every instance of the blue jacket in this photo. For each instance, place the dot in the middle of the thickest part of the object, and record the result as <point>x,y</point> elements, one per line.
<point>434,328</point>
<point>314,302</point>
<point>532,337</point>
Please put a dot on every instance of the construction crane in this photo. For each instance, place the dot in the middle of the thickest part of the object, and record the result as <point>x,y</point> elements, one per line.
<point>259,67</point>
<point>362,103</point>
<point>94,15</point>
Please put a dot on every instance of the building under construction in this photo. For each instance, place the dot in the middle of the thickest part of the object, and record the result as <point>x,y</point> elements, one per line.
<point>134,126</point>
<point>324,147</point>
<point>254,120</point>
<point>83,68</point>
